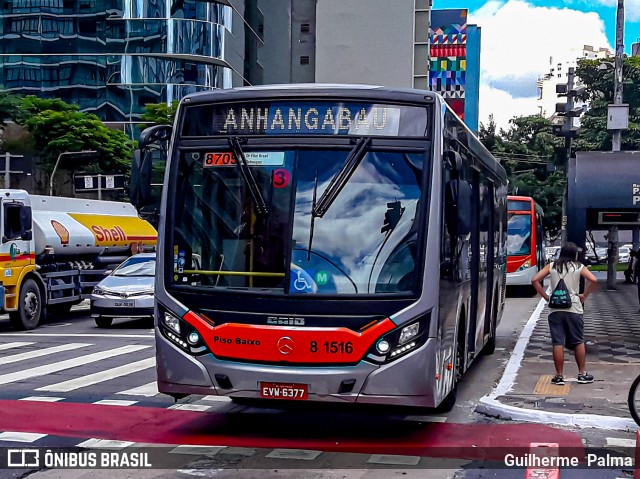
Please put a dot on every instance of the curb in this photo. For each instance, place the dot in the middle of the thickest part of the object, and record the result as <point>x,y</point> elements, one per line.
<point>489,405</point>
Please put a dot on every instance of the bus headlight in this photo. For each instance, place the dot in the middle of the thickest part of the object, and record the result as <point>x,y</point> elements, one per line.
<point>525,265</point>
<point>181,333</point>
<point>172,322</point>
<point>409,332</point>
<point>401,340</point>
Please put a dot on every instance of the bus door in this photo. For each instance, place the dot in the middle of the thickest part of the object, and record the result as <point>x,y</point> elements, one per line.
<point>479,254</point>
<point>489,207</point>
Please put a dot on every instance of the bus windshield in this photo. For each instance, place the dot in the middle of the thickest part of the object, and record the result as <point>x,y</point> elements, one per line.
<point>295,221</point>
<point>519,234</point>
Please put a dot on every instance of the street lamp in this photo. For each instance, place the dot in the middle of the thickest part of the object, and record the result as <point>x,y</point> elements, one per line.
<point>66,153</point>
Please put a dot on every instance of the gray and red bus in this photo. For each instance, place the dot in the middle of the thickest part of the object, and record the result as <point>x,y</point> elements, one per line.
<point>352,243</point>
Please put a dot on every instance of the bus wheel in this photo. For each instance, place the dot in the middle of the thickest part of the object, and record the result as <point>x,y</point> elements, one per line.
<point>490,347</point>
<point>29,307</point>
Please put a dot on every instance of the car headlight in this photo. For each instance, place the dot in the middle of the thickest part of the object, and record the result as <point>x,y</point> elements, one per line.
<point>525,265</point>
<point>97,290</point>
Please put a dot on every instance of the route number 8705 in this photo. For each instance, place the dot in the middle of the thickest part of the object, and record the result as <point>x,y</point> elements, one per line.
<point>219,159</point>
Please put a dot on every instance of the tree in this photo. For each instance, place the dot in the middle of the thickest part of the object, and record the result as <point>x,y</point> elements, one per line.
<point>528,151</point>
<point>55,132</point>
<point>159,114</point>
<point>597,76</point>
<point>9,106</point>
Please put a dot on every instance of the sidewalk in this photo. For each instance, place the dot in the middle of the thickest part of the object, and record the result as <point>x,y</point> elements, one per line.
<point>612,335</point>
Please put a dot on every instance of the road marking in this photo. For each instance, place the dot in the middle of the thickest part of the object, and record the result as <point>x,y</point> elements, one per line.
<point>99,377</point>
<point>11,436</point>
<point>216,398</point>
<point>67,364</point>
<point>197,450</point>
<point>105,443</point>
<point>620,442</point>
<point>115,402</point>
<point>148,390</point>
<point>41,352</point>
<point>190,407</point>
<point>13,345</point>
<point>294,454</point>
<point>239,451</point>
<point>81,335</point>
<point>41,399</point>
<point>394,460</point>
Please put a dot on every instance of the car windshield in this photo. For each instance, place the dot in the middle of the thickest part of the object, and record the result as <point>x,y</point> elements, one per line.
<point>299,221</point>
<point>137,267</point>
<point>519,234</point>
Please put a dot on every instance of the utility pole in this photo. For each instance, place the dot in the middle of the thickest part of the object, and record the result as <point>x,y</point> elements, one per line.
<point>616,140</point>
<point>568,111</point>
<point>617,120</point>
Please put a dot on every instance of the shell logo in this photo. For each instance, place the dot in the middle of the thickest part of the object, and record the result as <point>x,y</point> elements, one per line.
<point>61,231</point>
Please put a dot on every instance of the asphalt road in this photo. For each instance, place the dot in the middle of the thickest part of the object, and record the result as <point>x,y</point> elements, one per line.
<point>91,388</point>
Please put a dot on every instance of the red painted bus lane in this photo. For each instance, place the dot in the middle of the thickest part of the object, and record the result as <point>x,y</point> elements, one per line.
<point>356,434</point>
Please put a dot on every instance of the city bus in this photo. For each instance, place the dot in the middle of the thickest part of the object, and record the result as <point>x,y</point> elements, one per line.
<point>352,247</point>
<point>526,252</point>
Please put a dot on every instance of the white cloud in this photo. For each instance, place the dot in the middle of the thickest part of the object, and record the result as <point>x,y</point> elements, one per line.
<point>519,41</point>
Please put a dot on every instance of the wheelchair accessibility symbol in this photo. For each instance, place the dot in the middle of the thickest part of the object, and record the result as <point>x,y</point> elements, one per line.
<point>301,281</point>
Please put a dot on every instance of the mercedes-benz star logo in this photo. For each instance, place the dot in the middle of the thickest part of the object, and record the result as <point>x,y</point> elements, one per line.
<point>285,345</point>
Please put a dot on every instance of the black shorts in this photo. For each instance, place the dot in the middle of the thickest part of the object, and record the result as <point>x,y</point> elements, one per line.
<point>566,328</point>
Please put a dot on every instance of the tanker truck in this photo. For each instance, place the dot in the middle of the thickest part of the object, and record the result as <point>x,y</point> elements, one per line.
<point>54,250</point>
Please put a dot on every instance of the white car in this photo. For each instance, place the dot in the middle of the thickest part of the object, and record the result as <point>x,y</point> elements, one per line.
<point>624,254</point>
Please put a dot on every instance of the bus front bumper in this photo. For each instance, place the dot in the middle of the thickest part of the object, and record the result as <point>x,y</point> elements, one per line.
<point>521,278</point>
<point>408,381</point>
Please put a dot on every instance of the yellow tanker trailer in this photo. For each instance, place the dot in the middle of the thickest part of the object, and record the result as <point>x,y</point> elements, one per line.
<point>54,250</point>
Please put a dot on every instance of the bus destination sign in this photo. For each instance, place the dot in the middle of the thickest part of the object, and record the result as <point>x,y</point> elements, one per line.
<point>296,118</point>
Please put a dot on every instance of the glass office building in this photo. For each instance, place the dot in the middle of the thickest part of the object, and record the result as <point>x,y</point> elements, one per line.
<point>112,57</point>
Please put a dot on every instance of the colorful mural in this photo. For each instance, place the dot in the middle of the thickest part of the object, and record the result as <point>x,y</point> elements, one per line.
<point>448,56</point>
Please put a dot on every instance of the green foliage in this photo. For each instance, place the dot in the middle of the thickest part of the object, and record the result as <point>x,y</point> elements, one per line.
<point>525,150</point>
<point>32,105</point>
<point>598,79</point>
<point>9,106</point>
<point>68,130</point>
<point>159,114</point>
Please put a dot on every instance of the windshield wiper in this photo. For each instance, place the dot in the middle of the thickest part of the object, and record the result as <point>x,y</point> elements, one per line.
<point>249,180</point>
<point>342,177</point>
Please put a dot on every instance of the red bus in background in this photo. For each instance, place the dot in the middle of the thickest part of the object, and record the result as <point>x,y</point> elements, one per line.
<point>525,240</point>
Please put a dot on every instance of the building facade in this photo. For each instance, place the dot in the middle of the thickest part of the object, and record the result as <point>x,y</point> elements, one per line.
<point>112,57</point>
<point>558,74</point>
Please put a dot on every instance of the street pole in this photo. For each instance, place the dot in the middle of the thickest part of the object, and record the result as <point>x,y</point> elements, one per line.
<point>99,187</point>
<point>66,153</point>
<point>7,169</point>
<point>568,141</point>
<point>616,139</point>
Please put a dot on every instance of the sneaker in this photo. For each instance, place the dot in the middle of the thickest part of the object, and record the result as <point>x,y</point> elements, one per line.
<point>559,380</point>
<point>585,378</point>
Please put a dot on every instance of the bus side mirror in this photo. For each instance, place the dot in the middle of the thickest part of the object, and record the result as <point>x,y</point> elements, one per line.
<point>458,207</point>
<point>154,134</point>
<point>140,183</point>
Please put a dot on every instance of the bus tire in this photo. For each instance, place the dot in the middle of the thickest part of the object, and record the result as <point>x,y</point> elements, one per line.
<point>29,311</point>
<point>490,347</point>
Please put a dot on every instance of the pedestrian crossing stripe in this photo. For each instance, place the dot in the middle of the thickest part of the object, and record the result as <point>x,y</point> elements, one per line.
<point>67,364</point>
<point>148,390</point>
<point>25,437</point>
<point>14,358</point>
<point>101,376</point>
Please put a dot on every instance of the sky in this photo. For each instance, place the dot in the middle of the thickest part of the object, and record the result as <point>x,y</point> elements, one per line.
<point>519,37</point>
